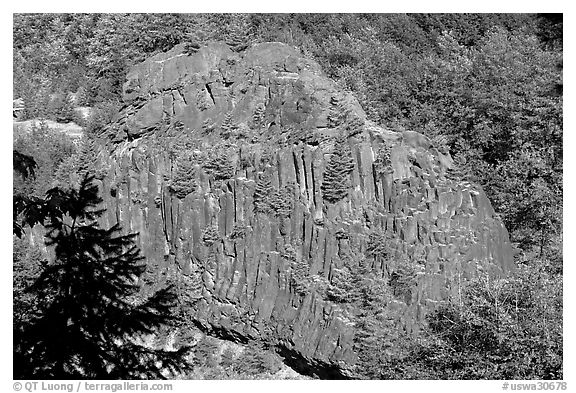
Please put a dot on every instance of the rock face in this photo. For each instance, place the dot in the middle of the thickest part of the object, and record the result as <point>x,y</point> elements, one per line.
<point>255,133</point>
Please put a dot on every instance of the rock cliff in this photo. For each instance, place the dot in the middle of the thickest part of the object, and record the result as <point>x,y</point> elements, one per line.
<point>253,179</point>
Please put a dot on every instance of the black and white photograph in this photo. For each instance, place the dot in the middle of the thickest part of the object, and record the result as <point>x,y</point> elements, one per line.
<point>287,196</point>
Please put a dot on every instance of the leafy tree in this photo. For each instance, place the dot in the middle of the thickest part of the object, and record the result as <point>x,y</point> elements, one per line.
<point>48,149</point>
<point>91,319</point>
<point>100,116</point>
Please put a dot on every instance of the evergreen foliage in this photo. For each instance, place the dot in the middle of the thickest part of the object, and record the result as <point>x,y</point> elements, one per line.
<point>90,318</point>
<point>228,127</point>
<point>220,167</point>
<point>383,161</point>
<point>238,231</point>
<point>258,116</point>
<point>486,87</point>
<point>336,181</point>
<point>47,149</point>
<point>335,114</point>
<point>254,360</point>
<point>61,108</point>
<point>210,235</point>
<point>280,202</point>
<point>341,286</point>
<point>300,277</point>
<point>202,101</point>
<point>208,126</point>
<point>184,181</point>
<point>501,329</point>
<point>238,32</point>
<point>262,194</point>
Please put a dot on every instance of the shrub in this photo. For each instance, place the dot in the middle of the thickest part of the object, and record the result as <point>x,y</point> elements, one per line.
<point>300,276</point>
<point>238,231</point>
<point>383,161</point>
<point>101,115</point>
<point>341,286</point>
<point>402,281</point>
<point>208,126</point>
<point>254,360</point>
<point>204,352</point>
<point>210,235</point>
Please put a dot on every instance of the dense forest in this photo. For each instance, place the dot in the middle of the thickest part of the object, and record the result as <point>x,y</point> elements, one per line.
<point>488,87</point>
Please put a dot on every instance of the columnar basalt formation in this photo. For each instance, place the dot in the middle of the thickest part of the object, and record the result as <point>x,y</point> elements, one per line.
<point>254,132</point>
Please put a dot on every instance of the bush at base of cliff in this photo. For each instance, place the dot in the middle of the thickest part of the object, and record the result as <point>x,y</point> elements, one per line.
<point>501,329</point>
<point>254,360</point>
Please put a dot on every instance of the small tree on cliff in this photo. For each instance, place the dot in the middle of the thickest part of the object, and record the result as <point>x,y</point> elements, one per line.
<point>336,182</point>
<point>262,194</point>
<point>184,182</point>
<point>90,319</point>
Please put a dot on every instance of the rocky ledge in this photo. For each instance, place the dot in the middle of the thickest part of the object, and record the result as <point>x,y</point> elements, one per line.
<point>253,180</point>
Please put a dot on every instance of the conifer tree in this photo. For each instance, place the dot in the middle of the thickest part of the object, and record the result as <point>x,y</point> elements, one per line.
<point>238,34</point>
<point>90,318</point>
<point>336,182</point>
<point>202,100</point>
<point>220,167</point>
<point>335,115</point>
<point>210,235</point>
<point>228,126</point>
<point>183,182</point>
<point>262,193</point>
<point>341,286</point>
<point>300,276</point>
<point>207,126</point>
<point>383,162</point>
<point>258,116</point>
<point>281,202</point>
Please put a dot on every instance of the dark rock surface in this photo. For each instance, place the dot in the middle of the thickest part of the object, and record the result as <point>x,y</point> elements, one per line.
<point>236,263</point>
